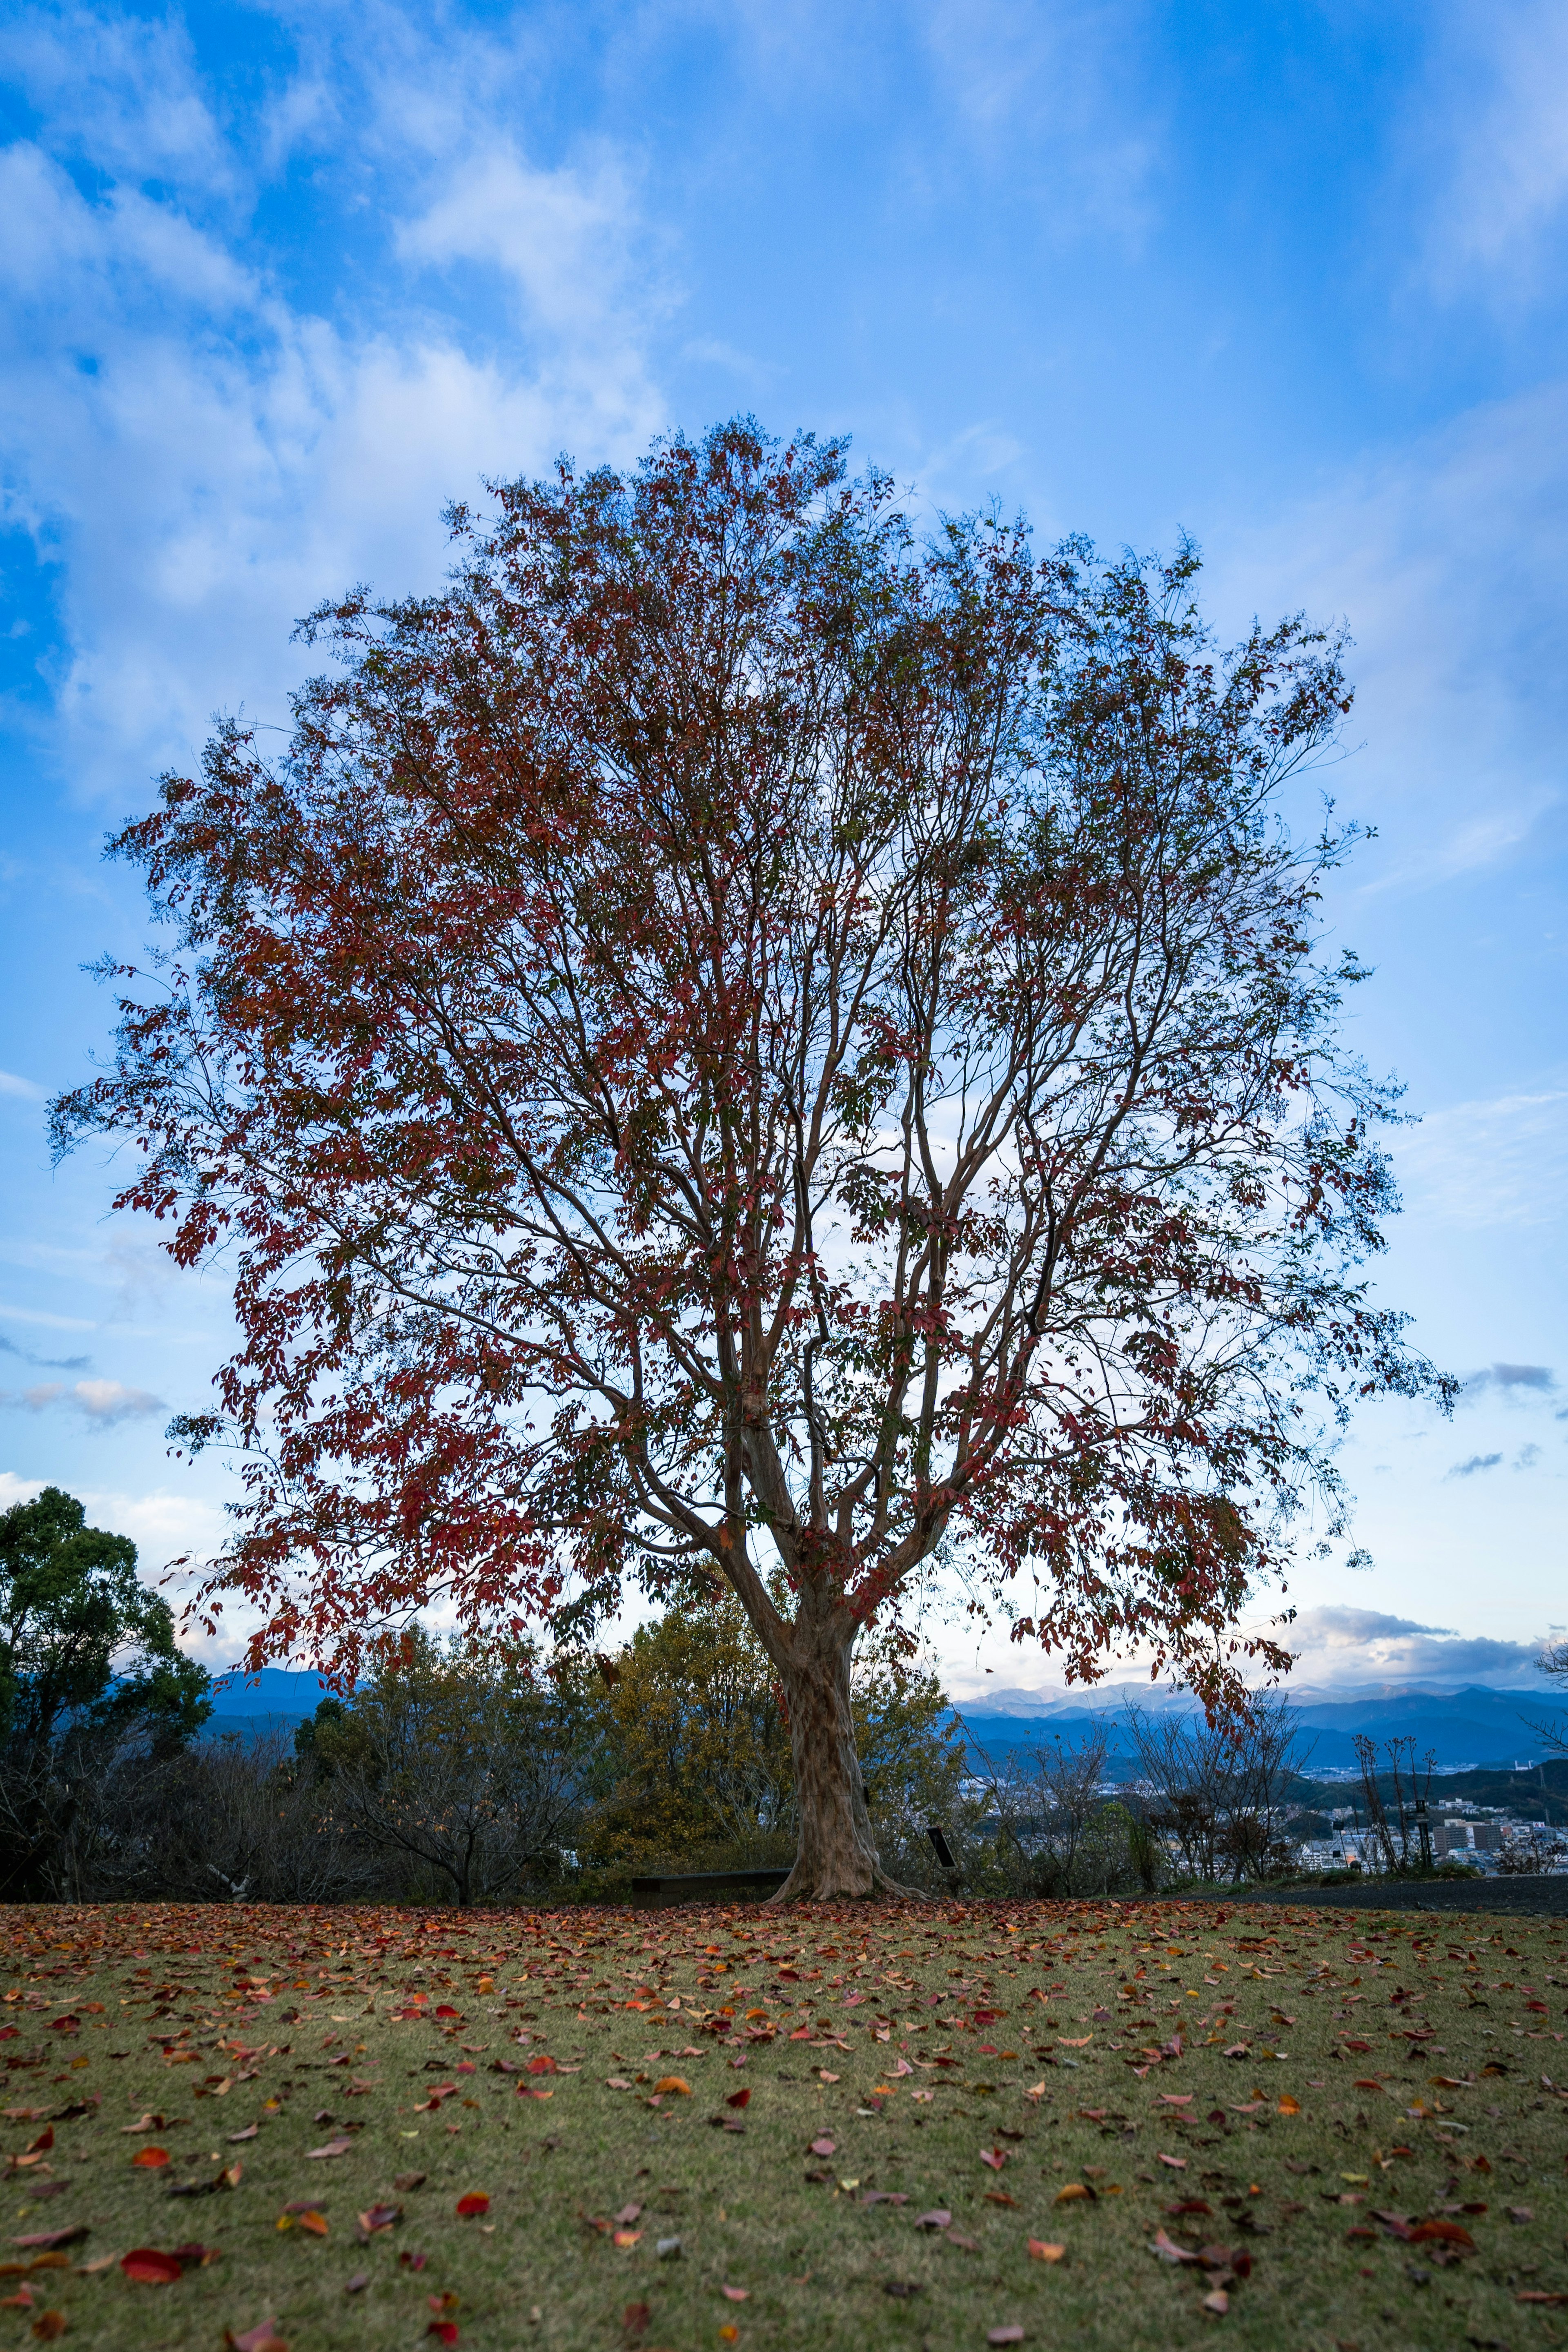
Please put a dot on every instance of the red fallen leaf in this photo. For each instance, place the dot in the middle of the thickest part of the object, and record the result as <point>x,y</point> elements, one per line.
<point>9,2032</point>
<point>48,2239</point>
<point>735,2294</point>
<point>315,2221</point>
<point>1042,2250</point>
<point>65,2025</point>
<point>1448,2234</point>
<point>150,2159</point>
<point>634,2320</point>
<point>738,2098</point>
<point>45,2139</point>
<point>477,2201</point>
<point>824,2148</point>
<point>445,2011</point>
<point>1539,2295</point>
<point>443,2330</point>
<point>999,2197</point>
<point>148,2267</point>
<point>542,2063</point>
<point>994,2156</point>
<point>1361,2047</point>
<point>376,2217</point>
<point>1189,2205</point>
<point>48,2325</point>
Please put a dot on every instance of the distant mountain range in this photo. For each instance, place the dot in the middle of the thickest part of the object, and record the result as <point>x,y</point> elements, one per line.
<point>1476,1725</point>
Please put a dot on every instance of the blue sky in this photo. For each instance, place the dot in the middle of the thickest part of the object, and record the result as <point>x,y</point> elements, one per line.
<point>275,284</point>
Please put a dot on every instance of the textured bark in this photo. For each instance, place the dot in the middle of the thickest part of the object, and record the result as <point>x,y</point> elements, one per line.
<point>837,1858</point>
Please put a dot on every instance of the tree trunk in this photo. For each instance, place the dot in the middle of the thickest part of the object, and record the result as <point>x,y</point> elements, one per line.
<point>837,1860</point>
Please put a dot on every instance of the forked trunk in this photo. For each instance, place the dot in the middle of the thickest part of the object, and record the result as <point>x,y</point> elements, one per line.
<point>837,1858</point>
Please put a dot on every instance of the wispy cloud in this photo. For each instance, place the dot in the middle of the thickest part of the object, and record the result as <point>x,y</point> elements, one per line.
<point>1512,1378</point>
<point>1476,1462</point>
<point>22,1088</point>
<point>1492,134</point>
<point>1489,1163</point>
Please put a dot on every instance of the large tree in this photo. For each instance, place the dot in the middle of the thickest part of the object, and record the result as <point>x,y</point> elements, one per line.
<point>737,1039</point>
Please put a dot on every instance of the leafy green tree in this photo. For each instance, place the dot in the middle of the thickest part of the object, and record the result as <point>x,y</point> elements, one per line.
<point>91,1678</point>
<point>693,1759</point>
<point>462,1763</point>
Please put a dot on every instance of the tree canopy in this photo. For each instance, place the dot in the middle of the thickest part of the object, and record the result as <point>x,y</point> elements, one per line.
<point>737,1037</point>
<point>88,1662</point>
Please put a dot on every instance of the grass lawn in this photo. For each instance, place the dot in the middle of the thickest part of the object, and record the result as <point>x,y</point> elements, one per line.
<point>911,2126</point>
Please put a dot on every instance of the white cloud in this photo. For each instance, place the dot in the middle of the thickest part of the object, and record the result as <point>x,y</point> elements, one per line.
<point>103,1402</point>
<point>14,1490</point>
<point>111,1401</point>
<point>1342,1645</point>
<point>24,1088</point>
<point>174,421</point>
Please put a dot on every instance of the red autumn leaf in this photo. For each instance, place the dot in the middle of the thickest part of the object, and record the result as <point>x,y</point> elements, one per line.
<point>542,2063</point>
<point>45,2139</point>
<point>824,2148</point>
<point>148,2267</point>
<point>476,2202</point>
<point>443,2330</point>
<point>444,2011</point>
<point>49,2324</point>
<point>1448,2234</point>
<point>994,2156</point>
<point>150,2159</point>
<point>738,2098</point>
<point>262,2338</point>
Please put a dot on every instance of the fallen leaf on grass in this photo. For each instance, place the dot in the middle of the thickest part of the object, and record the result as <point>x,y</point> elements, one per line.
<point>249,2132</point>
<point>1177,2163</point>
<point>994,2156</point>
<point>407,2180</point>
<point>443,2330</point>
<point>477,2201</point>
<point>1073,2191</point>
<point>1168,2251</point>
<point>1289,2106</point>
<point>48,2325</point>
<point>1040,2249</point>
<point>1447,2233</point>
<point>357,2283</point>
<point>50,2239</point>
<point>672,2085</point>
<point>147,2267</point>
<point>1219,2302</point>
<point>738,2098</point>
<point>1004,2335</point>
<point>735,2294</point>
<point>149,2158</point>
<point>374,2219</point>
<point>262,2338</point>
<point>332,2148</point>
<point>1000,2196</point>
<point>634,2320</point>
<point>937,2219</point>
<point>824,2148</point>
